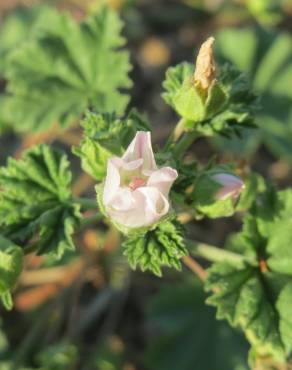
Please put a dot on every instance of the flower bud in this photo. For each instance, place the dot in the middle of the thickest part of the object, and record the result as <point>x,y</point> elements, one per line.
<point>205,72</point>
<point>231,186</point>
<point>135,193</point>
<point>215,194</point>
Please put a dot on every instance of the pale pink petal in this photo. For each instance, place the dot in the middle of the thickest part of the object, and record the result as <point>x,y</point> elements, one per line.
<point>127,166</point>
<point>141,147</point>
<point>123,200</point>
<point>156,204</point>
<point>133,216</point>
<point>112,182</point>
<point>163,179</point>
<point>148,207</point>
<point>231,185</point>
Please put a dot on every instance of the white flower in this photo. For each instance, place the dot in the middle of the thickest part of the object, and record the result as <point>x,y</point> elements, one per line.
<point>135,190</point>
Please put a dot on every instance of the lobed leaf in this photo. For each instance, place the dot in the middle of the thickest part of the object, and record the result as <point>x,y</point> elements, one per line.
<point>256,297</point>
<point>66,68</point>
<point>36,209</point>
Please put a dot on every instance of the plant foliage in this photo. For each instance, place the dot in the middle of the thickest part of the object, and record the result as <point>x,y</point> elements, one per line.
<point>35,205</point>
<point>162,246</point>
<point>106,135</point>
<point>229,105</point>
<point>257,296</point>
<point>66,68</point>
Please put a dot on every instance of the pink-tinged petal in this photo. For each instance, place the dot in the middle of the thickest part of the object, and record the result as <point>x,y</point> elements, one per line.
<point>148,206</point>
<point>133,216</point>
<point>156,204</point>
<point>123,200</point>
<point>232,186</point>
<point>141,147</point>
<point>112,182</point>
<point>163,179</point>
<point>127,166</point>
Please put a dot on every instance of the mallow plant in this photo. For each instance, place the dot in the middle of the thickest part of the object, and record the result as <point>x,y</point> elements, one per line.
<point>141,191</point>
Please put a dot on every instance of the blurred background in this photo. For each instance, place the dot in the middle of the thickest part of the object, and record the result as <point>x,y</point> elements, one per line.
<point>88,311</point>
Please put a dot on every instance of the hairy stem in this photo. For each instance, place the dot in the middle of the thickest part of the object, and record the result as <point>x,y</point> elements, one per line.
<point>195,267</point>
<point>86,203</point>
<point>86,221</point>
<point>185,142</point>
<point>178,130</point>
<point>215,254</point>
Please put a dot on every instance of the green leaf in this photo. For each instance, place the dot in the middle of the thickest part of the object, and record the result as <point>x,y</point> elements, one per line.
<point>254,185</point>
<point>17,28</point>
<point>284,308</point>
<point>11,261</point>
<point>241,297</point>
<point>162,246</point>
<point>185,331</point>
<point>36,209</point>
<point>188,102</point>
<point>106,135</point>
<point>65,69</point>
<point>256,297</point>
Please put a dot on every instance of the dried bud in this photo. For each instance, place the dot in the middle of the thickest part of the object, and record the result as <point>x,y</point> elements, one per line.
<point>205,71</point>
<point>232,186</point>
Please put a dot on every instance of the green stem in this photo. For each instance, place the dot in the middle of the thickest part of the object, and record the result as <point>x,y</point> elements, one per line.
<point>91,220</point>
<point>175,135</point>
<point>87,203</point>
<point>185,142</point>
<point>215,254</point>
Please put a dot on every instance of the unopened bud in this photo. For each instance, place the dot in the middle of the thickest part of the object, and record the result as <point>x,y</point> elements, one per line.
<point>232,186</point>
<point>205,71</point>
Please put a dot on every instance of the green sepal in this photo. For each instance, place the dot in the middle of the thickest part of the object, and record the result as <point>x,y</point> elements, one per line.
<point>216,99</point>
<point>161,245</point>
<point>189,103</point>
<point>203,198</point>
<point>106,135</point>
<point>150,248</point>
<point>254,184</point>
<point>225,108</point>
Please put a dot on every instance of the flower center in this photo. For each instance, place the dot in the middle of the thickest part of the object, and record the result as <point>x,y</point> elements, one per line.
<point>136,183</point>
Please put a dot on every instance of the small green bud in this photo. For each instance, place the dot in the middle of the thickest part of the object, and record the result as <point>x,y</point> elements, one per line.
<point>215,194</point>
<point>201,96</point>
